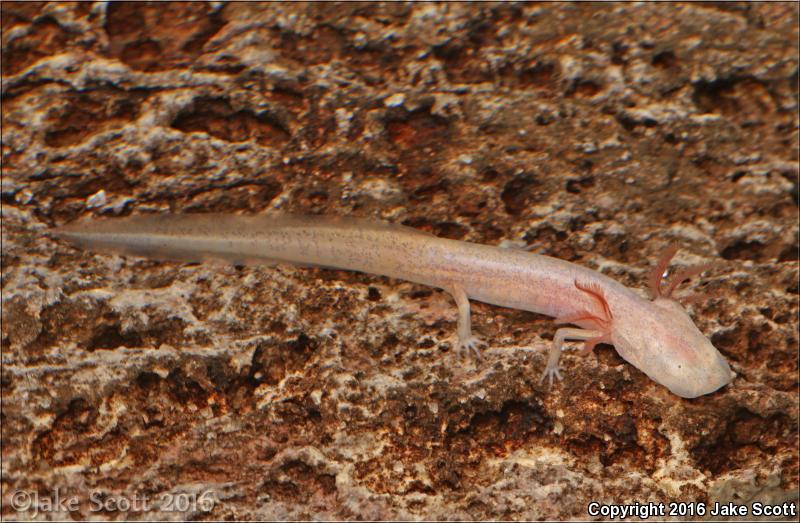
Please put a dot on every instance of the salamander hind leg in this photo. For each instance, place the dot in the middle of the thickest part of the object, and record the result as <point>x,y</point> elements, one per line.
<point>467,343</point>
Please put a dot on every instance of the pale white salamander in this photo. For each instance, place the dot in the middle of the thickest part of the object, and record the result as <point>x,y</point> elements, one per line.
<point>657,336</point>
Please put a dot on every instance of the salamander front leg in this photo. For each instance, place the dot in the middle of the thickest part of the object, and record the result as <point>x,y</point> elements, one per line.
<point>466,341</point>
<point>567,333</point>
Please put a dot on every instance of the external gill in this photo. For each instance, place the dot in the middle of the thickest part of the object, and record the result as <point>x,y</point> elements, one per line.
<point>656,277</point>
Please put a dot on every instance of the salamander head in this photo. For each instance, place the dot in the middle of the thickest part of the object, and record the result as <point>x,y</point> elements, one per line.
<point>666,345</point>
<point>693,366</point>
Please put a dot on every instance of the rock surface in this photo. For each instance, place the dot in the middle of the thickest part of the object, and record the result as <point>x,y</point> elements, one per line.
<point>595,133</point>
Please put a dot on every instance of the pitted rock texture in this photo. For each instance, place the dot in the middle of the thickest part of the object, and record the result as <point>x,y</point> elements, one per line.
<point>598,133</point>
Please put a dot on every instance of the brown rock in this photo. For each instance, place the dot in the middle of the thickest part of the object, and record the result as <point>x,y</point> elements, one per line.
<point>596,133</point>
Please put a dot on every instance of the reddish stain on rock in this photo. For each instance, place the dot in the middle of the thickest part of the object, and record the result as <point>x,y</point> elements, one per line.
<point>44,38</point>
<point>156,36</point>
<point>87,113</point>
<point>218,118</point>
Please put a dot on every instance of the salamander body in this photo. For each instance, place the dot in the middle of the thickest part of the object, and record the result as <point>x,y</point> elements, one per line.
<point>657,335</point>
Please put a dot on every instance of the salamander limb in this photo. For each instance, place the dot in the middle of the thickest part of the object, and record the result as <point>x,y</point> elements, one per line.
<point>467,343</point>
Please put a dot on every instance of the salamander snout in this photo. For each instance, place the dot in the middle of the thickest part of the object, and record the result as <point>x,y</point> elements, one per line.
<point>715,376</point>
<point>698,368</point>
<point>691,381</point>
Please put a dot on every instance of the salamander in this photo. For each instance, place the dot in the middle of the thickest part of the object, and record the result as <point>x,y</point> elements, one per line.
<point>655,335</point>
